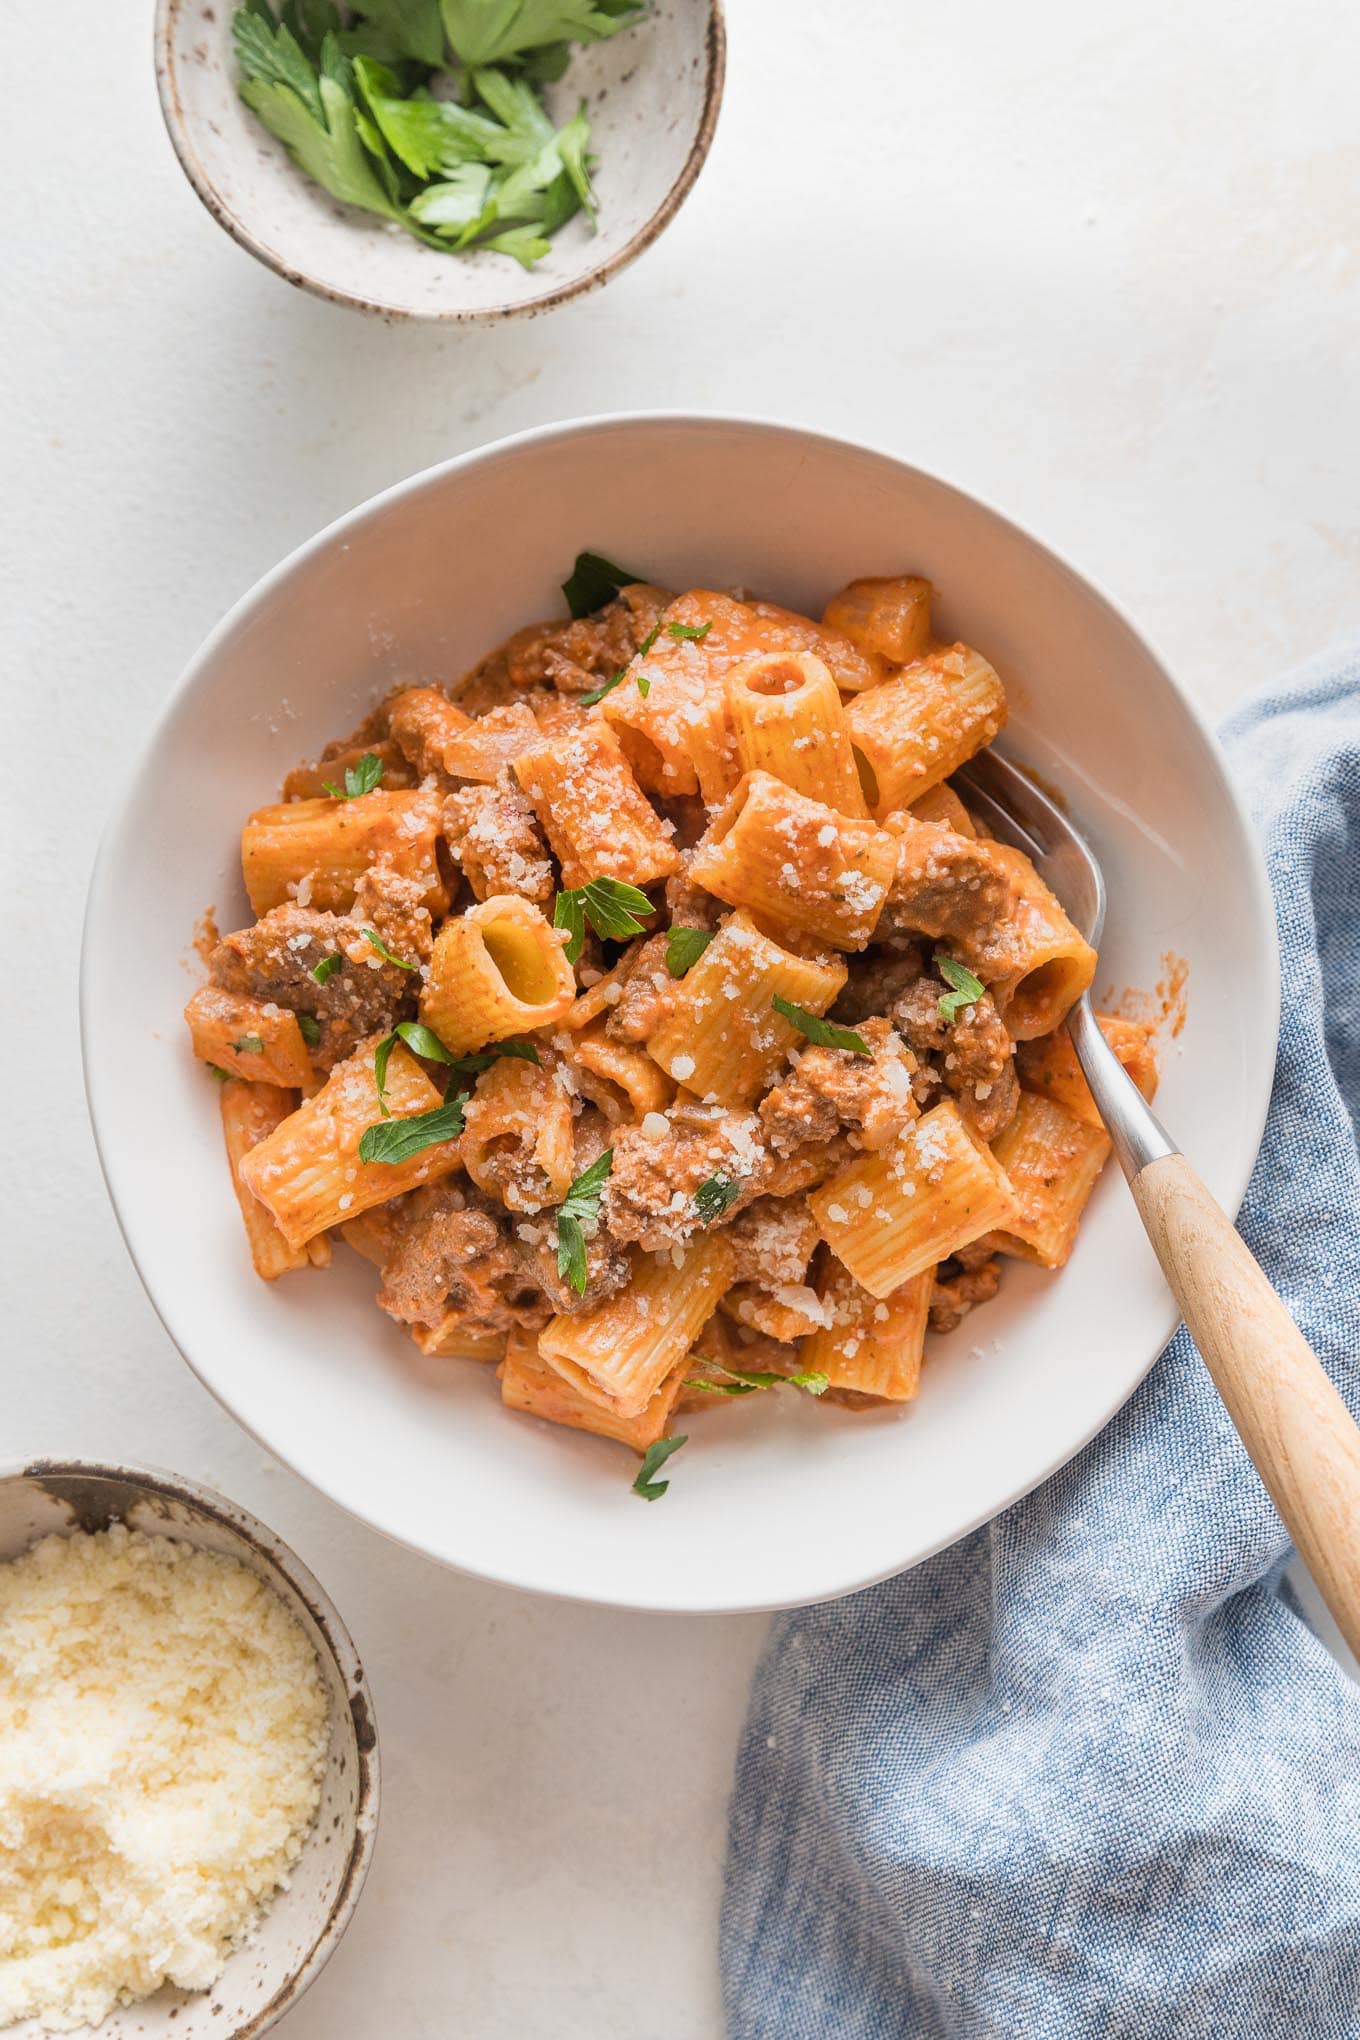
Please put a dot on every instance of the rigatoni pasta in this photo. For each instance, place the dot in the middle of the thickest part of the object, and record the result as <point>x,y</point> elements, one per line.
<point>651,1013</point>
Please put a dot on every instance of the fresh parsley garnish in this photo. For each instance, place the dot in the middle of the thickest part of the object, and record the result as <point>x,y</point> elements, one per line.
<point>324,971</point>
<point>473,1065</point>
<point>693,633</point>
<point>396,1140</point>
<point>644,684</point>
<point>714,1197</point>
<point>249,1044</point>
<point>385,953</point>
<point>359,779</point>
<point>610,906</point>
<point>599,693</point>
<point>653,1459</point>
<point>821,1033</point>
<point>420,1040</point>
<point>222,1076</point>
<point>593,581</point>
<point>684,947</point>
<point>741,1383</point>
<point>495,35</point>
<point>580,1207</point>
<point>355,104</point>
<point>967,988</point>
<point>309,1027</point>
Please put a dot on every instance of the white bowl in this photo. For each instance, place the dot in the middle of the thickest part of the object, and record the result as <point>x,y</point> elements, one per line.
<point>786,1502</point>
<point>303,1925</point>
<point>652,92</point>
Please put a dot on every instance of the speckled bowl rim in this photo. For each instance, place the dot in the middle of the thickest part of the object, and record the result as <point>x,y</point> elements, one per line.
<point>178,127</point>
<point>279,1558</point>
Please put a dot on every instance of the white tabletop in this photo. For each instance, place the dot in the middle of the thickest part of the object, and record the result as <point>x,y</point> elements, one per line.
<point>1098,267</point>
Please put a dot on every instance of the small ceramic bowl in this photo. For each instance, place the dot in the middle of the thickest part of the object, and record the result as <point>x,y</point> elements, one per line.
<point>652,93</point>
<point>298,1933</point>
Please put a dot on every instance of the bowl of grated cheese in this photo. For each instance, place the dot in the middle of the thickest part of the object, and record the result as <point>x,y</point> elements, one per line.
<point>188,1764</point>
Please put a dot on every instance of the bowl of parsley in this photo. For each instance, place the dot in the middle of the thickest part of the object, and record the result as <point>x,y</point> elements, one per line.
<point>442,159</point>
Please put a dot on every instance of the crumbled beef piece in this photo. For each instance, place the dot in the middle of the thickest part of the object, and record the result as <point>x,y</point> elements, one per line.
<point>875,983</point>
<point>958,1288</point>
<point>392,906</point>
<point>274,960</point>
<point>647,995</point>
<point>971,1057</point>
<point>687,904</point>
<point>608,1267</point>
<point>832,1088</point>
<point>946,887</point>
<point>453,1250</point>
<point>577,655</point>
<point>660,1163</point>
<point>773,1240</point>
<point>424,722</point>
<point>494,836</point>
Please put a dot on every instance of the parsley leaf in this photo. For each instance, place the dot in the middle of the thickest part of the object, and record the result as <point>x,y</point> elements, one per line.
<point>610,906</point>
<point>695,633</point>
<point>967,988</point>
<point>684,947</point>
<point>382,1055</point>
<point>421,1041</point>
<point>412,27</point>
<point>488,35</point>
<point>644,684</point>
<point>606,687</point>
<point>310,1029</point>
<point>714,1197</point>
<point>222,1076</point>
<point>579,1208</point>
<point>822,1033</point>
<point>653,1460</point>
<point>359,779</point>
<point>592,582</point>
<point>396,1140</point>
<point>473,1065</point>
<point>741,1383</point>
<point>385,953</point>
<point>324,971</point>
<point>312,113</point>
<point>249,1044</point>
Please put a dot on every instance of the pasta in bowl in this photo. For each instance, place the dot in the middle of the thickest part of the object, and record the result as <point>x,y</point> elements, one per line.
<point>782,1494</point>
<point>648,1006</point>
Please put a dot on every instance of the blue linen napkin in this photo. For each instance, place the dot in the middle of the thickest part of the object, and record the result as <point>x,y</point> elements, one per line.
<point>1088,1775</point>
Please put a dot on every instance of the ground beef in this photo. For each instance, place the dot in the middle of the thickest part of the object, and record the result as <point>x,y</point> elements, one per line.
<point>658,1167</point>
<point>647,995</point>
<point>275,957</point>
<point>608,1267</point>
<point>972,1057</point>
<point>773,1241</point>
<point>875,983</point>
<point>451,1250</point>
<point>424,722</point>
<point>833,1088</point>
<point>958,1288</point>
<point>687,904</point>
<point>946,887</point>
<point>577,655</point>
<point>493,835</point>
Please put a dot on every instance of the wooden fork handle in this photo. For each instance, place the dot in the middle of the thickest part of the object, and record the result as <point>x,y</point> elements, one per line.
<point>1302,1439</point>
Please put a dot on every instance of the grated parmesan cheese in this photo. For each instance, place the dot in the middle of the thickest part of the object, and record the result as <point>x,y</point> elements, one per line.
<point>163,1732</point>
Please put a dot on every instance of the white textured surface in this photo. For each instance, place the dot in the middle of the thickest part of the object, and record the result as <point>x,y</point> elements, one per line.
<point>1103,272</point>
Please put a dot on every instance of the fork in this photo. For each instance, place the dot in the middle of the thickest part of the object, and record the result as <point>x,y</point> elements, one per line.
<point>1301,1437</point>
